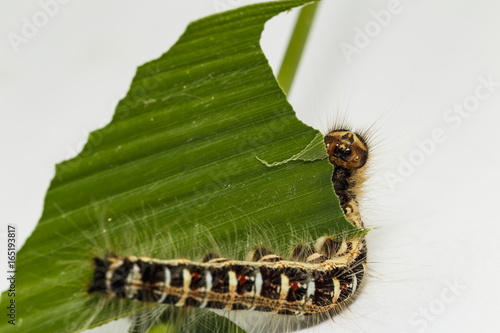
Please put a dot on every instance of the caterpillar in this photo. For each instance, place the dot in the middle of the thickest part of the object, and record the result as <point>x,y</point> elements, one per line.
<point>315,281</point>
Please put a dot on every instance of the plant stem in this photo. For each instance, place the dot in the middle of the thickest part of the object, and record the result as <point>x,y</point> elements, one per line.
<point>296,46</point>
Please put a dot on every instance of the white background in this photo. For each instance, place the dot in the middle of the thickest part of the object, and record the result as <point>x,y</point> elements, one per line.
<point>434,247</point>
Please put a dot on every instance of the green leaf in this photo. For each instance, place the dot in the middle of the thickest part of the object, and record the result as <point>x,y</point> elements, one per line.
<point>315,150</point>
<point>175,173</point>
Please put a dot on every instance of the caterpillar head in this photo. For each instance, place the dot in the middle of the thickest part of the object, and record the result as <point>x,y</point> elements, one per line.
<point>346,149</point>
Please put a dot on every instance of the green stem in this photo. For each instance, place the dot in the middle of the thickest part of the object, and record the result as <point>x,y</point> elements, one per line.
<point>296,47</point>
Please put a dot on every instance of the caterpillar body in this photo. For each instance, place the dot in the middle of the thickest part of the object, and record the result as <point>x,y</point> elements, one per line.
<point>315,281</point>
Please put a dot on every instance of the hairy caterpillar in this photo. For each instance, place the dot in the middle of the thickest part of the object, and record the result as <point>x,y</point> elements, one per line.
<point>313,282</point>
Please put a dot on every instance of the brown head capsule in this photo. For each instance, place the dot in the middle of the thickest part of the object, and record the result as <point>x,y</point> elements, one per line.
<point>346,149</point>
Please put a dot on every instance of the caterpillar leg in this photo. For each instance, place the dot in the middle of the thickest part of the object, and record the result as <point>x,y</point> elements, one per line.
<point>262,254</point>
<point>301,252</point>
<point>210,256</point>
<point>270,258</point>
<point>259,253</point>
<point>345,252</point>
<point>316,258</point>
<point>329,247</point>
<point>213,258</point>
